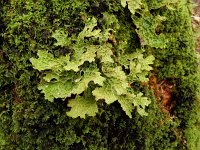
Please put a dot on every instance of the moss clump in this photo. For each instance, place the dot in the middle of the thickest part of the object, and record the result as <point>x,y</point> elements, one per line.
<point>28,121</point>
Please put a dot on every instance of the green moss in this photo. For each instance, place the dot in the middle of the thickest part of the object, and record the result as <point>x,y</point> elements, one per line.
<point>28,121</point>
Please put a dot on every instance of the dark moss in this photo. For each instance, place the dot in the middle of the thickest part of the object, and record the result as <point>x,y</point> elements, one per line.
<point>28,121</point>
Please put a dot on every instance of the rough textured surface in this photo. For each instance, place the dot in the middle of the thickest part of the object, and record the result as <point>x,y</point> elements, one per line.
<point>28,121</point>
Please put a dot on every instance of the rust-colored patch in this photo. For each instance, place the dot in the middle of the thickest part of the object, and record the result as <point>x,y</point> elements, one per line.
<point>163,92</point>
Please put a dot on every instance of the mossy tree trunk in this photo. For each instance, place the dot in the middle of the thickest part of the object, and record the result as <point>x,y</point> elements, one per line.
<point>155,27</point>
